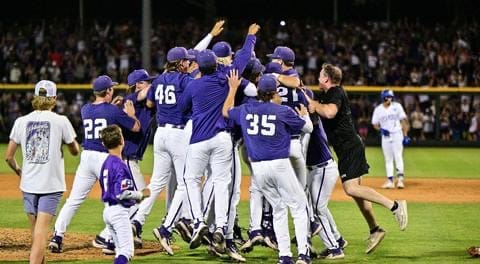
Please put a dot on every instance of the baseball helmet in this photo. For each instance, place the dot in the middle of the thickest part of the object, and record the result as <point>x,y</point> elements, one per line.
<point>386,93</point>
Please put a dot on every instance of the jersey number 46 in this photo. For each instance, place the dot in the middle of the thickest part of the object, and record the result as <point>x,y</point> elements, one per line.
<point>261,124</point>
<point>165,94</point>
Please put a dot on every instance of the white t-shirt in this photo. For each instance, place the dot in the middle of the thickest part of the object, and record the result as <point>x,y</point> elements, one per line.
<point>389,118</point>
<point>40,134</point>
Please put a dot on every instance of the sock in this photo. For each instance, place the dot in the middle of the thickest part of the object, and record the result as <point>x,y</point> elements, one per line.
<point>121,259</point>
<point>399,175</point>
<point>390,178</point>
<point>375,229</point>
<point>395,206</point>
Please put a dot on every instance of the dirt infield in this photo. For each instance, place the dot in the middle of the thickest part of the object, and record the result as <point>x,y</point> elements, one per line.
<point>417,190</point>
<point>15,243</point>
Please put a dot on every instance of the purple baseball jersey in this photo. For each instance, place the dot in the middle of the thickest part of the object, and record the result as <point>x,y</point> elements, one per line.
<point>136,142</point>
<point>115,178</point>
<point>96,117</point>
<point>206,95</point>
<point>165,91</point>
<point>290,96</point>
<point>318,151</point>
<point>266,129</point>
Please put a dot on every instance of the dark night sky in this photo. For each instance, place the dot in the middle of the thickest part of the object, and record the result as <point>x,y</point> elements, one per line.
<point>356,10</point>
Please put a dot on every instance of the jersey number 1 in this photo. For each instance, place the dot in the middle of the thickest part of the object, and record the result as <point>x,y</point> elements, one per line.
<point>266,128</point>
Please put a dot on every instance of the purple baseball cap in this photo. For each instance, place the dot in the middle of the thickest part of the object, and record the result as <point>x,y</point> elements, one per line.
<point>267,83</point>
<point>283,53</point>
<point>178,53</point>
<point>273,67</point>
<point>222,49</point>
<point>193,53</point>
<point>102,83</point>
<point>206,58</point>
<point>254,66</point>
<point>138,76</point>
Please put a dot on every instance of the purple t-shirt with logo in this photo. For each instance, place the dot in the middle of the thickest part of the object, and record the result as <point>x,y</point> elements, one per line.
<point>266,129</point>
<point>165,92</point>
<point>96,117</point>
<point>136,142</point>
<point>115,177</point>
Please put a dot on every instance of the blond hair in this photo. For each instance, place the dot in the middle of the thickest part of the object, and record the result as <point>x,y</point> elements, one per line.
<point>333,73</point>
<point>43,103</point>
<point>225,60</point>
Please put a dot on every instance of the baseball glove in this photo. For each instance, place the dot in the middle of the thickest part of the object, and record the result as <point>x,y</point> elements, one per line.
<point>474,251</point>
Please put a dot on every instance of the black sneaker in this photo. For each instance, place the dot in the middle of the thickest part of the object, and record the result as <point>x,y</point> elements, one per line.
<point>183,228</point>
<point>232,251</point>
<point>285,260</point>
<point>137,234</point>
<point>219,240</point>
<point>165,238</point>
<point>237,235</point>
<point>56,244</point>
<point>342,243</point>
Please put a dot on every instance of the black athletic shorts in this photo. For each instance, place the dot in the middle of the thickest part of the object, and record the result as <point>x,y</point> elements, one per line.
<point>352,162</point>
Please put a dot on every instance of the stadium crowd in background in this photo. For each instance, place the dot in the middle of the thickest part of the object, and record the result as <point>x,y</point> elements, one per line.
<point>374,53</point>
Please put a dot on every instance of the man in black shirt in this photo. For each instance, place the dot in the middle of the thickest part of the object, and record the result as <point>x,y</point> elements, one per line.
<point>334,108</point>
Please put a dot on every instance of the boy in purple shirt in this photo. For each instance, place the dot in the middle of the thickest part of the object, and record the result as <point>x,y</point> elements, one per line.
<point>267,127</point>
<point>118,194</point>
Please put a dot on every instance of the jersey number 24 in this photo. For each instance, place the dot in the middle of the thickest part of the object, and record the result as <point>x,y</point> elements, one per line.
<point>261,124</point>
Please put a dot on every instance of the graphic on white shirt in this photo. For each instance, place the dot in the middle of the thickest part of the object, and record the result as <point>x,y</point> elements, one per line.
<point>37,142</point>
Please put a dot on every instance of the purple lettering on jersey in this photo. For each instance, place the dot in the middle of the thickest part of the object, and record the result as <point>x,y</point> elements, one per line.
<point>115,177</point>
<point>96,117</point>
<point>266,129</point>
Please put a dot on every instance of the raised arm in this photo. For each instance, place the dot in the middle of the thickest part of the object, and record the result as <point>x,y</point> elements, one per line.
<point>233,83</point>
<point>216,30</point>
<point>242,57</point>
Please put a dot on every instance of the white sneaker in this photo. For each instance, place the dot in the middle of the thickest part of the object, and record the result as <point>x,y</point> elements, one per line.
<point>374,240</point>
<point>400,183</point>
<point>388,185</point>
<point>401,214</point>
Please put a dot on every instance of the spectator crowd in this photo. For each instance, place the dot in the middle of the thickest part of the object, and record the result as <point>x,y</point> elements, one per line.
<point>402,53</point>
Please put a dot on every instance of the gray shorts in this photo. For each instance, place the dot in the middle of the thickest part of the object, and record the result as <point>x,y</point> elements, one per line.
<point>44,202</point>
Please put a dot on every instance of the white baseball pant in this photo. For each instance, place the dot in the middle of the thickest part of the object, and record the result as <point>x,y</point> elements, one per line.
<point>216,152</point>
<point>167,150</point>
<point>322,182</point>
<point>392,147</point>
<point>117,220</point>
<point>85,177</point>
<point>277,181</point>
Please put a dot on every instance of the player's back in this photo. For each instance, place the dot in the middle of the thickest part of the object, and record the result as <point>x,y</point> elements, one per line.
<point>267,129</point>
<point>290,96</point>
<point>96,117</point>
<point>208,95</point>
<point>165,91</point>
<point>318,150</point>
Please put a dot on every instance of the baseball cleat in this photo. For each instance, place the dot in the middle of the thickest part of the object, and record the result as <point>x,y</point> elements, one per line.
<point>285,260</point>
<point>137,232</point>
<point>213,252</point>
<point>232,251</point>
<point>183,228</point>
<point>270,239</point>
<point>165,238</point>
<point>388,185</point>
<point>109,248</point>
<point>200,230</point>
<point>56,244</point>
<point>219,240</point>
<point>303,259</point>
<point>400,183</point>
<point>99,242</point>
<point>315,228</point>
<point>331,254</point>
<point>342,243</point>
<point>237,235</point>
<point>374,240</point>
<point>474,251</point>
<point>401,214</point>
<point>255,237</point>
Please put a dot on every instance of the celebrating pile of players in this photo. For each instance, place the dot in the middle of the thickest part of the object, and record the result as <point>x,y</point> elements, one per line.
<point>209,109</point>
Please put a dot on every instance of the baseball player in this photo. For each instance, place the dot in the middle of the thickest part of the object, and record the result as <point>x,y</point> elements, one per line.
<point>95,116</point>
<point>322,176</point>
<point>42,175</point>
<point>390,119</point>
<point>266,127</point>
<point>118,193</point>
<point>210,144</point>
<point>334,109</point>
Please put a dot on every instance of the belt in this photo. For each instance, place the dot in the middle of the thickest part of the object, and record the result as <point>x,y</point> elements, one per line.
<point>320,165</point>
<point>172,126</point>
<point>295,137</point>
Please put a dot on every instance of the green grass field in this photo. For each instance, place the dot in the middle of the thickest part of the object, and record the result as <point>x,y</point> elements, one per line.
<point>437,233</point>
<point>454,163</point>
